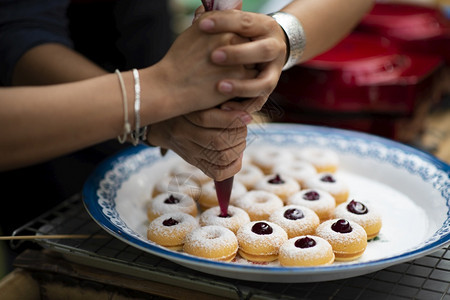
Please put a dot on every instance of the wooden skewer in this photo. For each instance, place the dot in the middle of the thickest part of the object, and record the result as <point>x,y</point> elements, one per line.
<point>52,236</point>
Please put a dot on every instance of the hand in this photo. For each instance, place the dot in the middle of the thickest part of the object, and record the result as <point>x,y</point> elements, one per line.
<point>267,50</point>
<point>213,139</point>
<point>187,77</point>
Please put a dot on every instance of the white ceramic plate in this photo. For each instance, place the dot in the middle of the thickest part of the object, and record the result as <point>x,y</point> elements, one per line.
<point>410,187</point>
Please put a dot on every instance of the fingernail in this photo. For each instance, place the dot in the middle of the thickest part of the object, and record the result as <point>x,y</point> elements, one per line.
<point>225,107</point>
<point>225,87</point>
<point>206,24</point>
<point>246,119</point>
<point>218,56</point>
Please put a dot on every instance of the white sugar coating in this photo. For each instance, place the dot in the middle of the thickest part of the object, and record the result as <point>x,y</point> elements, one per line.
<point>261,202</point>
<point>185,169</point>
<point>337,187</point>
<point>288,187</point>
<point>208,192</point>
<point>178,184</point>
<point>269,156</point>
<point>371,217</point>
<point>321,248</point>
<point>249,175</point>
<point>159,207</point>
<point>186,223</point>
<point>324,230</point>
<point>309,220</point>
<point>238,217</point>
<point>318,156</point>
<point>297,169</point>
<point>252,242</point>
<point>325,202</point>
<point>211,238</point>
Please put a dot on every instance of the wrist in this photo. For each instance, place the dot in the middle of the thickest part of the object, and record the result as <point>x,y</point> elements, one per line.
<point>295,35</point>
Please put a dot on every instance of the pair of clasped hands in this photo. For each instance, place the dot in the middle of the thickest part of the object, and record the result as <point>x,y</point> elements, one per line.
<point>224,55</point>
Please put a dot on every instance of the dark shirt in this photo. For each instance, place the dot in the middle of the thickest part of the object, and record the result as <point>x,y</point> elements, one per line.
<point>120,34</point>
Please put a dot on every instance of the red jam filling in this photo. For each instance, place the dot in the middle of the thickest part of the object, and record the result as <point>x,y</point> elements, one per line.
<point>262,228</point>
<point>311,196</point>
<point>276,180</point>
<point>342,226</point>
<point>305,242</point>
<point>293,214</point>
<point>170,222</point>
<point>172,200</point>
<point>357,208</point>
<point>328,178</point>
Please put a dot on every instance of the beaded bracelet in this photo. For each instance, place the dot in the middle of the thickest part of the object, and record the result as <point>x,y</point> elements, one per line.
<point>295,35</point>
<point>126,123</point>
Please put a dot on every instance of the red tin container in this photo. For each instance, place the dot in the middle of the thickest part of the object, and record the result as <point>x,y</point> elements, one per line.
<point>418,29</point>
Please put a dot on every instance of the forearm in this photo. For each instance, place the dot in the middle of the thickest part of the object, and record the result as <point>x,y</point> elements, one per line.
<point>51,64</point>
<point>326,22</point>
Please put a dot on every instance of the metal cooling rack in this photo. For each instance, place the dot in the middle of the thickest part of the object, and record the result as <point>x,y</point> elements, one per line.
<point>425,278</point>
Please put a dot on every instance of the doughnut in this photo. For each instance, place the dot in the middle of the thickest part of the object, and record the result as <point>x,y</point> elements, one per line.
<point>330,183</point>
<point>208,196</point>
<point>306,251</point>
<point>170,230</point>
<point>297,169</point>
<point>267,157</point>
<point>280,185</point>
<point>260,241</point>
<point>296,220</point>
<point>178,184</point>
<point>347,238</point>
<point>171,202</point>
<point>321,202</point>
<point>249,175</point>
<point>258,204</point>
<point>366,216</point>
<point>324,160</point>
<point>185,169</point>
<point>235,219</point>
<point>212,242</point>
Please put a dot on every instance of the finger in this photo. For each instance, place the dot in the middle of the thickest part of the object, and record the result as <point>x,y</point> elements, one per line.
<point>198,12</point>
<point>219,139</point>
<point>220,173</point>
<point>246,24</point>
<point>220,118</point>
<point>260,51</point>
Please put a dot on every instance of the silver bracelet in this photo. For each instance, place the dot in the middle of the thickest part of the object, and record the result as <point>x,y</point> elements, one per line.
<point>138,133</point>
<point>295,35</point>
<point>126,124</point>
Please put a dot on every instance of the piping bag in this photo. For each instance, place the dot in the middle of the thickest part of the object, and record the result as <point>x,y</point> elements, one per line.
<point>224,187</point>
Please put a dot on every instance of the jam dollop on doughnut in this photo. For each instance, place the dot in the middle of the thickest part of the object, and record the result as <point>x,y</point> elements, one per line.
<point>293,214</point>
<point>305,242</point>
<point>357,208</point>
<point>328,178</point>
<point>262,228</point>
<point>170,222</point>
<point>276,180</point>
<point>172,200</point>
<point>311,196</point>
<point>342,226</point>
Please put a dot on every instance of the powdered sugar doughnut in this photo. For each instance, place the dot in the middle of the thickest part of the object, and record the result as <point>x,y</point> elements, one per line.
<point>324,160</point>
<point>235,219</point>
<point>306,251</point>
<point>348,239</point>
<point>213,242</point>
<point>169,230</point>
<point>321,202</point>
<point>366,216</point>
<point>267,157</point>
<point>168,202</point>
<point>330,183</point>
<point>297,169</point>
<point>258,204</point>
<point>296,220</point>
<point>260,241</point>
<point>177,184</point>
<point>249,175</point>
<point>278,184</point>
<point>208,196</point>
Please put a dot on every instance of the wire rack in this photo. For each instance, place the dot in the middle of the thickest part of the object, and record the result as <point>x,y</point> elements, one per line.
<point>425,278</point>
